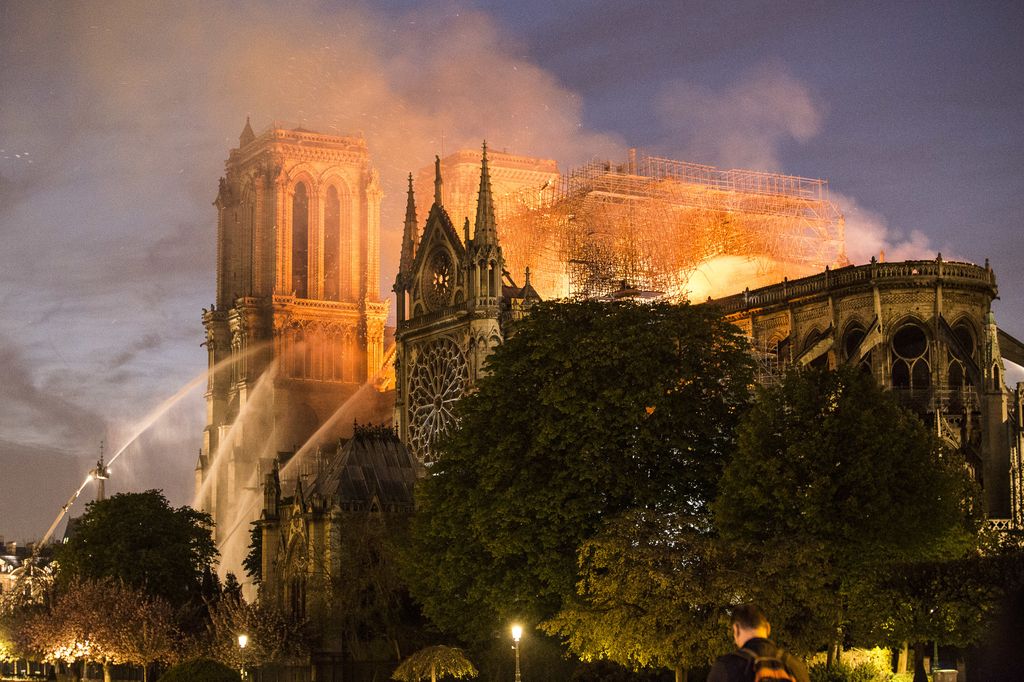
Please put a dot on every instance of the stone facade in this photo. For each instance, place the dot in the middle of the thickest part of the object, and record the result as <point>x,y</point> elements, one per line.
<point>323,537</point>
<point>454,301</point>
<point>298,267</point>
<point>923,329</point>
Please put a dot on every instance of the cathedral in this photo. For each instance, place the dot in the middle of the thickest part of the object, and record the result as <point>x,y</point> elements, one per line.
<point>924,329</point>
<point>296,338</point>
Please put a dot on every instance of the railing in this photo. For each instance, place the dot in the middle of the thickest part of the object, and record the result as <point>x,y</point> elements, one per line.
<point>1002,525</point>
<point>856,274</point>
<point>920,400</point>
<point>433,316</point>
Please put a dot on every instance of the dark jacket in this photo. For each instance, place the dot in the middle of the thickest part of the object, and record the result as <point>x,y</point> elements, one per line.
<point>735,667</point>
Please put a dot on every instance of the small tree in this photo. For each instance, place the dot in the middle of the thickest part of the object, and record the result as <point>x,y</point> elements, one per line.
<point>143,629</point>
<point>273,637</point>
<point>434,661</point>
<point>651,594</point>
<point>106,622</point>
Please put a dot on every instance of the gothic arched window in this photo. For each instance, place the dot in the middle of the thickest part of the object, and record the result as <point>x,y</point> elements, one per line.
<point>300,241</point>
<point>332,245</point>
<point>852,340</point>
<point>910,368</point>
<point>820,362</point>
<point>247,241</point>
<point>956,371</point>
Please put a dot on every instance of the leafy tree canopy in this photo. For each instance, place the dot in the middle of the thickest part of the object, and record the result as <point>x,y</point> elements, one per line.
<point>253,561</point>
<point>652,593</point>
<point>948,601</point>
<point>832,473</point>
<point>589,410</point>
<point>103,621</point>
<point>140,539</point>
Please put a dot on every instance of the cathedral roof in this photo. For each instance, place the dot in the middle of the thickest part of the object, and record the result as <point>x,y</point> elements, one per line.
<point>371,466</point>
<point>526,293</point>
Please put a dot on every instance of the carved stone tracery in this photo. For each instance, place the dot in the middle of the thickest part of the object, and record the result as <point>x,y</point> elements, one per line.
<point>437,380</point>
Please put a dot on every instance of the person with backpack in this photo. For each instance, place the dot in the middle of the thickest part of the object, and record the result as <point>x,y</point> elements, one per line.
<point>756,658</point>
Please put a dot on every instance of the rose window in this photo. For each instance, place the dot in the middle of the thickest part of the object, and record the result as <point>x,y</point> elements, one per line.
<point>436,383</point>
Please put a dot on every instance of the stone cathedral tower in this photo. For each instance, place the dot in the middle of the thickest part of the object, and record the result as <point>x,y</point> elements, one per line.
<point>298,325</point>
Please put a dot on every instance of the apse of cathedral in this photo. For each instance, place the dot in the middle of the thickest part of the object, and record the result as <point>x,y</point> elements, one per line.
<point>926,331</point>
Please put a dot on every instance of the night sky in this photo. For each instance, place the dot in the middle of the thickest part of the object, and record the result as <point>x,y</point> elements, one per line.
<point>115,120</point>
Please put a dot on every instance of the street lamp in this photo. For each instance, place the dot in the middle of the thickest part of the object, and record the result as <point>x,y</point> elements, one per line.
<point>243,640</point>
<point>517,634</point>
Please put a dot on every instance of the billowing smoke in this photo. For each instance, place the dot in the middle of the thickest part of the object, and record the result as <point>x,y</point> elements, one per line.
<point>868,235</point>
<point>747,124</point>
<point>117,119</point>
<point>743,125</point>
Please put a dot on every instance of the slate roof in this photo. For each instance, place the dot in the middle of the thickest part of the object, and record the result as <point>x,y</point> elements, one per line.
<point>372,465</point>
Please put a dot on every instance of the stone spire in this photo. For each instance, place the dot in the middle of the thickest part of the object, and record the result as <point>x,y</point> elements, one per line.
<point>409,235</point>
<point>485,230</point>
<point>247,135</point>
<point>438,184</point>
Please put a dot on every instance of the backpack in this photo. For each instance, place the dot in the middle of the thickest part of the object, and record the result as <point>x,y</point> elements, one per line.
<point>767,668</point>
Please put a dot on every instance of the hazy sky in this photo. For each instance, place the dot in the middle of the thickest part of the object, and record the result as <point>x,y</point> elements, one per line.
<point>115,120</point>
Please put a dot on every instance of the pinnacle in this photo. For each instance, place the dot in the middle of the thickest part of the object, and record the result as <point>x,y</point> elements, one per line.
<point>438,183</point>
<point>247,135</point>
<point>486,231</point>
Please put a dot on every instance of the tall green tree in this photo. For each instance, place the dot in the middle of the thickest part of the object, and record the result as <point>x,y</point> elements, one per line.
<point>832,475</point>
<point>140,539</point>
<point>589,410</point>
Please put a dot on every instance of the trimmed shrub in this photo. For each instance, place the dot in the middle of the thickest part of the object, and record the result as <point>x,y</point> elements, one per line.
<point>840,672</point>
<point>200,670</point>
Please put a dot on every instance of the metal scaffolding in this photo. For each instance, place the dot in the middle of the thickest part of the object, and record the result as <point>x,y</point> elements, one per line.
<point>649,223</point>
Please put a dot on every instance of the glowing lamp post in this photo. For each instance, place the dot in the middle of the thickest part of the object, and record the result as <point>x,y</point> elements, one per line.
<point>243,641</point>
<point>517,634</point>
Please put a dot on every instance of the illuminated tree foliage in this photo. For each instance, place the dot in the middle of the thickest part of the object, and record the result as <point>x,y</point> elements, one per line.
<point>590,410</point>
<point>103,621</point>
<point>140,539</point>
<point>8,638</point>
<point>833,485</point>
<point>952,602</point>
<point>273,636</point>
<point>433,663</point>
<point>652,592</point>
